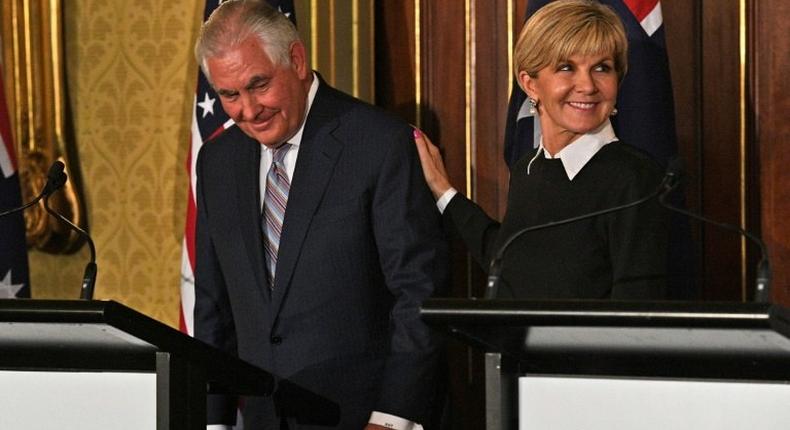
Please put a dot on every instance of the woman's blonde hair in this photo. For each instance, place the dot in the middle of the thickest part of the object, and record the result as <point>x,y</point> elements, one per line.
<point>565,28</point>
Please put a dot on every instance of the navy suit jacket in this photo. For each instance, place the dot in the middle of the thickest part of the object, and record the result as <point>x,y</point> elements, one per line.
<point>361,248</point>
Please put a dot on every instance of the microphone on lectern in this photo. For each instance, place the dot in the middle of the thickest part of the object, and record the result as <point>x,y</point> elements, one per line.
<point>55,179</point>
<point>58,178</point>
<point>762,290</point>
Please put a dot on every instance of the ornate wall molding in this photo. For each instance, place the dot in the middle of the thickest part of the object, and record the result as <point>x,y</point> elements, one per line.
<point>35,84</point>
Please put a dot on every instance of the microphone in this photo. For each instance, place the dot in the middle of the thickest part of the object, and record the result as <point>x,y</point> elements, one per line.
<point>762,292</point>
<point>495,269</point>
<point>58,178</point>
<point>55,179</point>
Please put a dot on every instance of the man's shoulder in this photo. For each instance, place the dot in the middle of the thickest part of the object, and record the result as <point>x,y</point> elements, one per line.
<point>230,135</point>
<point>355,112</point>
<point>226,143</point>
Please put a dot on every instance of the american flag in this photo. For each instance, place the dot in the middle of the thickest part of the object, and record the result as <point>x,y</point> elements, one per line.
<point>14,276</point>
<point>208,120</point>
<point>646,113</point>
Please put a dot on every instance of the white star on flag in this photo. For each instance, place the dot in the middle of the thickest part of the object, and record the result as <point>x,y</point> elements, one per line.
<point>207,105</point>
<point>7,289</point>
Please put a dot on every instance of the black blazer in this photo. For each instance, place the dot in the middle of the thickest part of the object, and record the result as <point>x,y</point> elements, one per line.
<point>361,248</point>
<point>621,255</point>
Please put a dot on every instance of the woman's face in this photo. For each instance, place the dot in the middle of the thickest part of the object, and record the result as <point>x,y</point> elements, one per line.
<point>574,97</point>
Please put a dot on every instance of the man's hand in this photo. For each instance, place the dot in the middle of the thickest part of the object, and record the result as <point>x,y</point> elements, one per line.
<point>375,427</point>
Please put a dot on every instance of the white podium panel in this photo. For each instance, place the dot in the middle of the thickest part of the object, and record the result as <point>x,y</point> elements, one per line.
<point>77,400</point>
<point>565,403</point>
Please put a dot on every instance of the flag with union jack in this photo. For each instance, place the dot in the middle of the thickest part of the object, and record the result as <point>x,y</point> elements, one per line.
<point>646,113</point>
<point>208,120</point>
<point>14,276</point>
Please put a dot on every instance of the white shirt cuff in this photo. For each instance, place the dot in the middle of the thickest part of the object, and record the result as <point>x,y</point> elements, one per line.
<point>444,200</point>
<point>392,422</point>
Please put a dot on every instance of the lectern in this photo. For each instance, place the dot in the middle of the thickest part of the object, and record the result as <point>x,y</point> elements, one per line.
<point>98,356</point>
<point>610,364</point>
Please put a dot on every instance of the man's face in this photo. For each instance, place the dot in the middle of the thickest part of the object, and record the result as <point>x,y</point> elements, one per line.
<point>266,100</point>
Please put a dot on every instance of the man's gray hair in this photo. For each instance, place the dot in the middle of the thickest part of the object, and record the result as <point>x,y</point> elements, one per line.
<point>234,21</point>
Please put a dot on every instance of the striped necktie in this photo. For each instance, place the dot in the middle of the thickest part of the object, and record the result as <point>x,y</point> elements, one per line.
<point>274,201</point>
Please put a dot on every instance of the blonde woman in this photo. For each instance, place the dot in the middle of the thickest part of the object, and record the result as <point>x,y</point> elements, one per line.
<point>570,57</point>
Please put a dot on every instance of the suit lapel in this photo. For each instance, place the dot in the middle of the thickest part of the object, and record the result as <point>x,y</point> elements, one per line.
<point>247,173</point>
<point>318,154</point>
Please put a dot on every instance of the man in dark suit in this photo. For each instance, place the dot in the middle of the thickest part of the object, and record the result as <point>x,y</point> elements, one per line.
<point>317,237</point>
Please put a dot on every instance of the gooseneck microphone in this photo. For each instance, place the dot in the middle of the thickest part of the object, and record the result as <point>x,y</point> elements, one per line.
<point>55,179</point>
<point>762,292</point>
<point>495,269</point>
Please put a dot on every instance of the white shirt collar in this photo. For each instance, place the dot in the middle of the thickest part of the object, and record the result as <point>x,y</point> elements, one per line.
<point>576,155</point>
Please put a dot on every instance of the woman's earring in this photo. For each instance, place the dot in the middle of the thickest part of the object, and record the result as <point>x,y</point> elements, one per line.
<point>613,112</point>
<point>533,106</point>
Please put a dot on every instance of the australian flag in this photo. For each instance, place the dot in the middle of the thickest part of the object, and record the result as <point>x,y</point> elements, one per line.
<point>646,116</point>
<point>14,277</point>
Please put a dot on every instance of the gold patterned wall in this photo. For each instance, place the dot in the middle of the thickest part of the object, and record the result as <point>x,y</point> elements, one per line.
<point>130,80</point>
<point>130,72</point>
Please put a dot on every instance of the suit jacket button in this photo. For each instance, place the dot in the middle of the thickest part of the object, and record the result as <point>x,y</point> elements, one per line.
<point>276,340</point>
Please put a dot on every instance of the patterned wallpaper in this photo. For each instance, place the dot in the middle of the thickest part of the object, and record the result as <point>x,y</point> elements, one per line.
<point>131,80</point>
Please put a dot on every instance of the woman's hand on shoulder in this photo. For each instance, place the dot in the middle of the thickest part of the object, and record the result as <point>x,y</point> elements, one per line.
<point>432,165</point>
